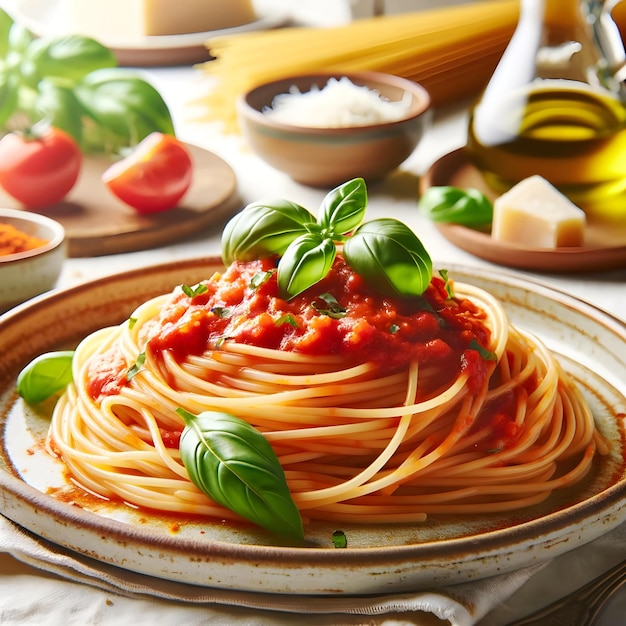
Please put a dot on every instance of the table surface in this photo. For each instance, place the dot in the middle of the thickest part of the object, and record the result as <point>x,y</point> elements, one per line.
<point>396,196</point>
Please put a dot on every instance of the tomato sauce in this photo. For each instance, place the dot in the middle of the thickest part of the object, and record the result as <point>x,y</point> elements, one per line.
<point>106,375</point>
<point>498,415</point>
<point>340,315</point>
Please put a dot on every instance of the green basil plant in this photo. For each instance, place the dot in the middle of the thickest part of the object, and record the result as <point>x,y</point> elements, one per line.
<point>73,83</point>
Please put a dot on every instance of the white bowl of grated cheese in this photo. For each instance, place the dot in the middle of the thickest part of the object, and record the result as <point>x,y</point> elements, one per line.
<point>323,129</point>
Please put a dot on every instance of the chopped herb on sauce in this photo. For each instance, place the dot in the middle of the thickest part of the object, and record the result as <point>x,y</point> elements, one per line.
<point>136,368</point>
<point>220,342</point>
<point>484,353</point>
<point>332,309</point>
<point>222,312</point>
<point>448,284</point>
<point>258,280</point>
<point>192,292</point>
<point>287,318</point>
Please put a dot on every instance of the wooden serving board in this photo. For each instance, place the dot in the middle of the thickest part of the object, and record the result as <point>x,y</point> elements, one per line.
<point>97,223</point>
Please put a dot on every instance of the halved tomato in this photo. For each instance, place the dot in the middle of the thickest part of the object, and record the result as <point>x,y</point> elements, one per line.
<point>154,176</point>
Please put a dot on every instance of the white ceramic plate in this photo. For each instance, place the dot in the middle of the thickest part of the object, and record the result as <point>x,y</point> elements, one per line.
<point>45,18</point>
<point>591,344</point>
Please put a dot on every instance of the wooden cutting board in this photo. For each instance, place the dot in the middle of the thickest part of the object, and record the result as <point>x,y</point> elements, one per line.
<point>97,223</point>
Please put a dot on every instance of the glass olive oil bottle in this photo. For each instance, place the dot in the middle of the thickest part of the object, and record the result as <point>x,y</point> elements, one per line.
<point>556,106</point>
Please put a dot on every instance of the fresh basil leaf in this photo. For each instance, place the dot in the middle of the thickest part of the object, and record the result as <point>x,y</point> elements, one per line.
<point>343,208</point>
<point>305,262</point>
<point>45,376</point>
<point>262,230</point>
<point>20,38</point>
<point>390,256</point>
<point>6,22</point>
<point>233,463</point>
<point>69,57</point>
<point>9,85</point>
<point>60,108</point>
<point>124,108</point>
<point>457,206</point>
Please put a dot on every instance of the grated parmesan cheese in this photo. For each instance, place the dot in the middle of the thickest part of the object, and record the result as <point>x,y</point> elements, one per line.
<point>339,104</point>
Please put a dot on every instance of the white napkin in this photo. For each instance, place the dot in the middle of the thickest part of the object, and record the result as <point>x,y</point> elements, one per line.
<point>110,595</point>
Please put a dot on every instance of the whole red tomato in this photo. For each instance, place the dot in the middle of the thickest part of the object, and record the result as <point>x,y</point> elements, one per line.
<point>154,177</point>
<point>39,168</point>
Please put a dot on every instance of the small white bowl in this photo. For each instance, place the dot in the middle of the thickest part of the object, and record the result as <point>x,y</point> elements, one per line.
<point>324,157</point>
<point>27,274</point>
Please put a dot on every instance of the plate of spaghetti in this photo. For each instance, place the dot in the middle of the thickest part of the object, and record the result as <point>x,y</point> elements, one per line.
<point>296,418</point>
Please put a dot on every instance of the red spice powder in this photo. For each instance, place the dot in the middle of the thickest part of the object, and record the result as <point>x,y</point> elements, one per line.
<point>13,240</point>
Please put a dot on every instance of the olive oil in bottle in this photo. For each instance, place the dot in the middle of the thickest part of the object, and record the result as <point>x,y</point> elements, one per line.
<point>553,107</point>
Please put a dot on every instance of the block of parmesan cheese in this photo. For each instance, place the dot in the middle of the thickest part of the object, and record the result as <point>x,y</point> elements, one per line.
<point>131,19</point>
<point>536,214</point>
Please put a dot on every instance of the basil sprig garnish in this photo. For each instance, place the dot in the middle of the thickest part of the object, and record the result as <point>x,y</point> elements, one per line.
<point>45,375</point>
<point>467,207</point>
<point>234,464</point>
<point>385,251</point>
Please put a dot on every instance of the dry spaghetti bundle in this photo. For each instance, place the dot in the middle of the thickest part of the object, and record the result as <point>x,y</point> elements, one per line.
<point>451,51</point>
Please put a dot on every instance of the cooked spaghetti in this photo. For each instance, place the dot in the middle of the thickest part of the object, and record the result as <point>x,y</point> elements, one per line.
<point>391,410</point>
